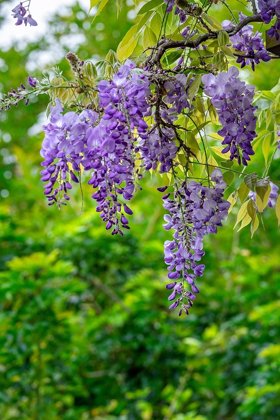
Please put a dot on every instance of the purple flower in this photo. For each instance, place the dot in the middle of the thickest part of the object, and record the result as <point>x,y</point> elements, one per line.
<point>19,12</point>
<point>32,82</point>
<point>249,43</point>
<point>195,211</point>
<point>233,101</point>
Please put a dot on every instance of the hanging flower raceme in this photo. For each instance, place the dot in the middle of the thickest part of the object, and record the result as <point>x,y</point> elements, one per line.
<point>249,43</point>
<point>124,100</point>
<point>233,99</point>
<point>63,149</point>
<point>195,211</point>
<point>269,9</point>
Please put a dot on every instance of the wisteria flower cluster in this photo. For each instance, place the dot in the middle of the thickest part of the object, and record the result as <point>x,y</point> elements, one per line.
<point>269,9</point>
<point>195,211</point>
<point>249,43</point>
<point>233,101</point>
<point>21,13</point>
<point>105,146</point>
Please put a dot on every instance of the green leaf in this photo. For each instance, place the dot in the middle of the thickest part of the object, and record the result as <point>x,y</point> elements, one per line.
<point>144,20</point>
<point>232,200</point>
<point>212,21</point>
<point>251,180</point>
<point>128,43</point>
<point>93,3</point>
<point>200,105</point>
<point>149,6</point>
<point>191,141</point>
<point>223,38</point>
<point>262,197</point>
<point>258,139</point>
<point>227,51</point>
<point>268,117</point>
<point>266,147</point>
<point>218,151</point>
<point>156,23</point>
<point>254,225</point>
<point>251,209</point>
<point>215,136</point>
<point>242,213</point>
<point>149,38</point>
<point>268,94</point>
<point>243,191</point>
<point>227,163</point>
<point>220,61</point>
<point>193,89</point>
<point>228,177</point>
<point>246,220</point>
<point>101,6</point>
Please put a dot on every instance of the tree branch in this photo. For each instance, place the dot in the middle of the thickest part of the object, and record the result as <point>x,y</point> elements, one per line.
<point>166,44</point>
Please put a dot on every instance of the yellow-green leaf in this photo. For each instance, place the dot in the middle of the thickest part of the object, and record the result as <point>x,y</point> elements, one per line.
<point>246,220</point>
<point>254,225</point>
<point>243,191</point>
<point>232,200</point>
<point>266,147</point>
<point>262,200</point>
<point>227,51</point>
<point>101,6</point>
<point>93,3</point>
<point>144,19</point>
<point>242,213</point>
<point>211,161</point>
<point>149,38</point>
<point>128,43</point>
<point>218,151</point>
<point>215,136</point>
<point>228,177</point>
<point>156,23</point>
<point>192,142</point>
<point>223,38</point>
<point>193,89</point>
<point>212,21</point>
<point>251,209</point>
<point>149,6</point>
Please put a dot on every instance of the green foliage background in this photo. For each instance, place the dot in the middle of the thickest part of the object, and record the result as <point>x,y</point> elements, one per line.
<point>85,332</point>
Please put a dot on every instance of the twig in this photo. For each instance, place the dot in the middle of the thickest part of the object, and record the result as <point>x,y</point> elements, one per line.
<point>166,44</point>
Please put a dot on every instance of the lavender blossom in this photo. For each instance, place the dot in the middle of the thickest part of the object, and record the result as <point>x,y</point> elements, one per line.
<point>233,101</point>
<point>249,43</point>
<point>195,211</point>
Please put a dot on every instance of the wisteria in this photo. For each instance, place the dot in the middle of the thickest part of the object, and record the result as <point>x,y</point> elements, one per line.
<point>112,123</point>
<point>269,9</point>
<point>105,146</point>
<point>233,101</point>
<point>22,13</point>
<point>195,211</point>
<point>249,43</point>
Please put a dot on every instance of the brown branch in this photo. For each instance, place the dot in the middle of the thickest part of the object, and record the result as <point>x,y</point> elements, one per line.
<point>166,44</point>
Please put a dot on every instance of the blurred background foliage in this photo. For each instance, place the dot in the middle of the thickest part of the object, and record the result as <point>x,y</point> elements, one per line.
<point>85,332</point>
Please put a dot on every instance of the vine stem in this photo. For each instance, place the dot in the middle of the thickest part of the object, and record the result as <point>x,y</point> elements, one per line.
<point>204,148</point>
<point>228,169</point>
